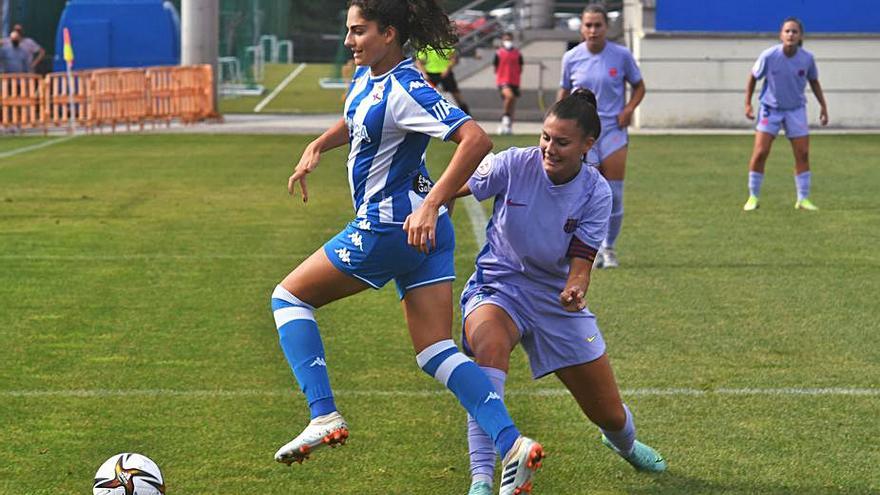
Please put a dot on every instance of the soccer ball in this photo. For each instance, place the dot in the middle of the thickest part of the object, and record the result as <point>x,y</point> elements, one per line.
<point>129,474</point>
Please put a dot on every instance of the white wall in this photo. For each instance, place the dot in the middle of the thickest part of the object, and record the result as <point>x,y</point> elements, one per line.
<point>699,80</point>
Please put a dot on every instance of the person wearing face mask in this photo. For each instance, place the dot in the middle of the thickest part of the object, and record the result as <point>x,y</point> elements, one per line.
<point>508,70</point>
<point>786,68</point>
<point>33,48</point>
<point>13,58</point>
<point>605,68</point>
<point>530,287</point>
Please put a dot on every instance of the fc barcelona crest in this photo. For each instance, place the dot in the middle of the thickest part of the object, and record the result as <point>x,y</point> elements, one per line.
<point>570,225</point>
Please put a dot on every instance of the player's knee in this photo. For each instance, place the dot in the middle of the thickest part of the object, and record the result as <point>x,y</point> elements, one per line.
<point>491,352</point>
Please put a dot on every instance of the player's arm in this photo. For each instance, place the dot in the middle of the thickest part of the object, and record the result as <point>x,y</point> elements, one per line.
<point>473,145</point>
<point>638,94</point>
<point>750,90</point>
<point>38,57</point>
<point>574,296</point>
<point>334,137</point>
<point>820,96</point>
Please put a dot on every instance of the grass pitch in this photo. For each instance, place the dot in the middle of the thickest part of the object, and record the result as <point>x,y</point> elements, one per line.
<point>135,273</point>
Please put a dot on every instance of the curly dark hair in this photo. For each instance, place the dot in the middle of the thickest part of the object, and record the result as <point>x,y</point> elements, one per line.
<point>421,22</point>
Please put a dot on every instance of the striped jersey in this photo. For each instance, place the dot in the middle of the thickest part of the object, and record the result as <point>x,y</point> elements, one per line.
<point>391,118</point>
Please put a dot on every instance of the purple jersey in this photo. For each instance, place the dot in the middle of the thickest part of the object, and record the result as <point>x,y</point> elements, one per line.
<point>534,220</point>
<point>786,77</point>
<point>602,73</point>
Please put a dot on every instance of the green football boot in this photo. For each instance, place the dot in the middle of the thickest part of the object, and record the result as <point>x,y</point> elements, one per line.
<point>642,457</point>
<point>751,204</point>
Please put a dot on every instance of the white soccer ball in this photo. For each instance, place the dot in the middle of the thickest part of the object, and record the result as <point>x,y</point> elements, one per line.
<point>129,474</point>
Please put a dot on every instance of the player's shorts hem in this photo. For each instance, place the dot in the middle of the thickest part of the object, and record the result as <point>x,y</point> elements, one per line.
<point>345,269</point>
<point>538,374</point>
<point>429,282</point>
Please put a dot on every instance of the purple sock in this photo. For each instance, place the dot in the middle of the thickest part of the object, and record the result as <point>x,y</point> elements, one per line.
<point>755,180</point>
<point>623,439</point>
<point>480,446</point>
<point>615,222</point>
<point>802,183</point>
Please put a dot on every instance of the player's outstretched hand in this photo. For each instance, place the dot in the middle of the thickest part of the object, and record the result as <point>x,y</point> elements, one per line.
<point>572,299</point>
<point>750,113</point>
<point>420,227</point>
<point>307,163</point>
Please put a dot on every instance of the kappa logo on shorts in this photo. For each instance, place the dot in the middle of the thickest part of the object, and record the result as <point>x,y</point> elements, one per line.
<point>357,239</point>
<point>492,396</point>
<point>344,255</point>
<point>570,225</point>
<point>319,361</point>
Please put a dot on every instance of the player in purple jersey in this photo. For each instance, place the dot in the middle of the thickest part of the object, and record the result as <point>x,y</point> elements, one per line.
<point>785,68</point>
<point>401,230</point>
<point>530,286</point>
<point>604,68</point>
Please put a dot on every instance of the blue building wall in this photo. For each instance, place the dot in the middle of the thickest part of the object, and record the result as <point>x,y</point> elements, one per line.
<point>119,33</point>
<point>818,16</point>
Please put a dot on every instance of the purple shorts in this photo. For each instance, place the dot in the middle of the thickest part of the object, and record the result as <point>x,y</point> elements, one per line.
<point>770,120</point>
<point>552,337</point>
<point>610,140</point>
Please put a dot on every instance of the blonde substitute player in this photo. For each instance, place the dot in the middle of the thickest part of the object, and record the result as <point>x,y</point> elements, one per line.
<point>787,68</point>
<point>401,229</point>
<point>604,68</point>
<point>532,288</point>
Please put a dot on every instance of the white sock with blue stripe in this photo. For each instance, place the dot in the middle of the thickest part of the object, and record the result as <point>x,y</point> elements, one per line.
<point>302,346</point>
<point>466,380</point>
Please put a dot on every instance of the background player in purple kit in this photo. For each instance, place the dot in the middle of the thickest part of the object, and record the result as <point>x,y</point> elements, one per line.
<point>401,229</point>
<point>787,67</point>
<point>530,286</point>
<point>604,68</point>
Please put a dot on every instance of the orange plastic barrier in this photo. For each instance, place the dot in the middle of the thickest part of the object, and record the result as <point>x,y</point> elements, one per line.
<point>107,97</point>
<point>20,105</point>
<point>58,107</point>
<point>132,96</point>
<point>162,94</point>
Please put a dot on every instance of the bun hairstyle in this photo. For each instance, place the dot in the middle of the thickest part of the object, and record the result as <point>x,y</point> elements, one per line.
<point>421,22</point>
<point>579,106</point>
<point>800,27</point>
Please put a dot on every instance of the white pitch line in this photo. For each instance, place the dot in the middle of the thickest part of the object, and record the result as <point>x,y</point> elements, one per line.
<point>478,219</point>
<point>33,147</point>
<point>546,392</point>
<point>284,83</point>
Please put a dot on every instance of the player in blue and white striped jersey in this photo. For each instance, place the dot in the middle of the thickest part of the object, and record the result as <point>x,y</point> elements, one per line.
<point>401,229</point>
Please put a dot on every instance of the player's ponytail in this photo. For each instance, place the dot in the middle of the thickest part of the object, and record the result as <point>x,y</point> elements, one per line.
<point>421,22</point>
<point>800,27</point>
<point>579,106</point>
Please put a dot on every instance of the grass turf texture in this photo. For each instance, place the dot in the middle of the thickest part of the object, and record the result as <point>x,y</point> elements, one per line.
<point>144,264</point>
<point>302,95</point>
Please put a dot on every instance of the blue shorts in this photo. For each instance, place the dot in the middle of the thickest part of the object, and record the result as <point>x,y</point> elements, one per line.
<point>610,140</point>
<point>376,254</point>
<point>552,337</point>
<point>794,122</point>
